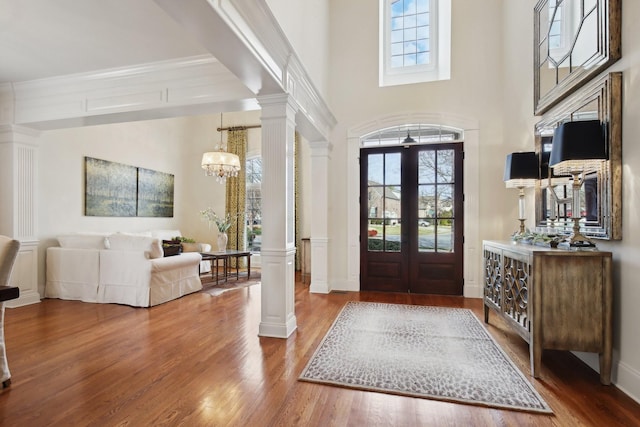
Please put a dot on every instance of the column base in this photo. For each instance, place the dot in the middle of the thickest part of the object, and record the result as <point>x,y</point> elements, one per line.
<point>277,330</point>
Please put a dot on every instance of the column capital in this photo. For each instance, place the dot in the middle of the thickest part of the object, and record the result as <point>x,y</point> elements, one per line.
<point>18,134</point>
<point>277,105</point>
<point>320,148</point>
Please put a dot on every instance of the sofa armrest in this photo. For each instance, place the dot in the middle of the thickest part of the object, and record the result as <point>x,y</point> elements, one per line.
<point>185,259</point>
<point>72,273</point>
<point>196,247</point>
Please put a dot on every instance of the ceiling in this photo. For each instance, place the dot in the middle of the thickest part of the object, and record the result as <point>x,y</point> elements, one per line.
<point>46,38</point>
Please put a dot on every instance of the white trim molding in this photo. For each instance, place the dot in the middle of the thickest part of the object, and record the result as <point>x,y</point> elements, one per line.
<point>186,85</point>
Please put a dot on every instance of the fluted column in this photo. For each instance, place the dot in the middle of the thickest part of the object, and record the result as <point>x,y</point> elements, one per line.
<point>278,229</point>
<point>18,206</point>
<point>320,151</point>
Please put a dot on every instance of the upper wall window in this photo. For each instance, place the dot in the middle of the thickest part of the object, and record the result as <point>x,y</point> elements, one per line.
<point>415,41</point>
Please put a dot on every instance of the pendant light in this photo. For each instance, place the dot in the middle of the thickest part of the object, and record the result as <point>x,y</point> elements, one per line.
<point>220,163</point>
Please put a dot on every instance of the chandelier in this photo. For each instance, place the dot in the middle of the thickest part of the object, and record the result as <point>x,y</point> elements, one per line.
<point>220,163</point>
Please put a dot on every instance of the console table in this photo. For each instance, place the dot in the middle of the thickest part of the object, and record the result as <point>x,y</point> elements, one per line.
<point>214,258</point>
<point>553,298</point>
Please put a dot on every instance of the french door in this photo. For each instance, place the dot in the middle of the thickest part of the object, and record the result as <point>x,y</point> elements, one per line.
<point>411,219</point>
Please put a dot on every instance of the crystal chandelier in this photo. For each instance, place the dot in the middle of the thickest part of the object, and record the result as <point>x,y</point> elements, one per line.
<point>220,163</point>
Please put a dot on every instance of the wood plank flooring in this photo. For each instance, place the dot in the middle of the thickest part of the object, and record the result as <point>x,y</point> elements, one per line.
<point>198,361</point>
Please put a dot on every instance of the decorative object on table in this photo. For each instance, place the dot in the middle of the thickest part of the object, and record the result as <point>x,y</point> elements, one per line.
<point>171,247</point>
<point>220,163</point>
<point>578,149</point>
<point>539,239</point>
<point>188,244</point>
<point>428,352</point>
<point>183,239</point>
<point>222,224</point>
<point>222,241</point>
<point>521,170</point>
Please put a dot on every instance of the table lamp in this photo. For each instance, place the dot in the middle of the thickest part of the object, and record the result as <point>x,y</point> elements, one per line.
<point>578,148</point>
<point>521,170</point>
<point>548,181</point>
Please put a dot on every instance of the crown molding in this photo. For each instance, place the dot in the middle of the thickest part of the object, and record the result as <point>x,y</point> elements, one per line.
<point>250,57</point>
<point>102,96</point>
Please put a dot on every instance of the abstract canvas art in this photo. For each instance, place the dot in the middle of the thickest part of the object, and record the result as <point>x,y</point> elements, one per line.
<point>116,189</point>
<point>110,188</point>
<point>155,193</point>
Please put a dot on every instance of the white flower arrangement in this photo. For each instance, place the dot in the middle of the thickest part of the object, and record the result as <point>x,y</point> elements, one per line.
<point>222,223</point>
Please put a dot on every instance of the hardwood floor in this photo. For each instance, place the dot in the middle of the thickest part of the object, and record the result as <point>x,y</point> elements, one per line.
<point>198,361</point>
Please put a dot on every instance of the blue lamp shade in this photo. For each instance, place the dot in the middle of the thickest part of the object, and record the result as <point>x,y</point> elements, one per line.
<point>521,170</point>
<point>578,147</point>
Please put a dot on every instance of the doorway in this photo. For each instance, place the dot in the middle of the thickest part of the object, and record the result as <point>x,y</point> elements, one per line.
<point>412,218</point>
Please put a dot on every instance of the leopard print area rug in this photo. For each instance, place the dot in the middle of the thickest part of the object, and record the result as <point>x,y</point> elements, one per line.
<point>430,352</point>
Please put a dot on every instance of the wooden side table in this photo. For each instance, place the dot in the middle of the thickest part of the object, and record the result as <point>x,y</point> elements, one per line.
<point>214,258</point>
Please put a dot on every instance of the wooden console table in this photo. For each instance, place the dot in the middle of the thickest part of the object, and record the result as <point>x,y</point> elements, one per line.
<point>553,298</point>
<point>214,258</point>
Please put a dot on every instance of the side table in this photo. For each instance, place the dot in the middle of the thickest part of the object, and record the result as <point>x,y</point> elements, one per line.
<point>225,256</point>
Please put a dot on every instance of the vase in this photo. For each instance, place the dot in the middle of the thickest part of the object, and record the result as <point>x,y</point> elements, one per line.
<point>222,241</point>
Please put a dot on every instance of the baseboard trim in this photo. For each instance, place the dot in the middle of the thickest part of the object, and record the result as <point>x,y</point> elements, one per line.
<point>627,379</point>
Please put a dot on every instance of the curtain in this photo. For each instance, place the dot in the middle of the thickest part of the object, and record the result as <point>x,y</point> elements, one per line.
<point>296,189</point>
<point>236,193</point>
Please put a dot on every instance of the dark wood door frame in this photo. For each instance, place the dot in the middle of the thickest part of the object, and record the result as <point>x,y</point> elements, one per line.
<point>410,269</point>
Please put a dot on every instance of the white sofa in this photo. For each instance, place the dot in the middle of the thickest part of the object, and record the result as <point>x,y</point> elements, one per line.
<point>119,268</point>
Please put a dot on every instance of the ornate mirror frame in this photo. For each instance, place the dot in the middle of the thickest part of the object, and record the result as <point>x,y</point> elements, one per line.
<point>573,41</point>
<point>600,99</point>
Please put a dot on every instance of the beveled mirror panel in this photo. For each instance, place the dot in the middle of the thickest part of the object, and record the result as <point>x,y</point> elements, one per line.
<point>573,41</point>
<point>601,193</point>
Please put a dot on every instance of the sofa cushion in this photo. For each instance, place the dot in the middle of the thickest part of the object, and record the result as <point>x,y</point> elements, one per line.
<point>165,234</point>
<point>131,242</point>
<point>82,241</point>
<point>191,247</point>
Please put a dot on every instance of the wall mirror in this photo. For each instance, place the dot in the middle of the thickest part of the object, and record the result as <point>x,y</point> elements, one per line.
<point>601,194</point>
<point>573,41</point>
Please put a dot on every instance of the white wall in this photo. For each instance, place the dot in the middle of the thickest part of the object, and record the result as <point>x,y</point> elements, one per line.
<point>474,93</point>
<point>306,25</point>
<point>519,122</point>
<point>168,145</point>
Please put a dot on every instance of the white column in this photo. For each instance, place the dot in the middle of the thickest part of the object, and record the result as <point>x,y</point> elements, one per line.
<point>278,232</point>
<point>320,216</point>
<point>18,206</point>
